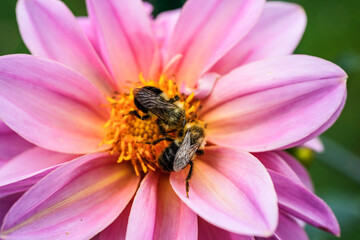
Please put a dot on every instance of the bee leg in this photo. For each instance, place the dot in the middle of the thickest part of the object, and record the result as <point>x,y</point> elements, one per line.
<point>188,178</point>
<point>200,152</point>
<point>171,131</point>
<point>161,128</point>
<point>175,99</point>
<point>159,140</point>
<point>184,120</point>
<point>136,114</point>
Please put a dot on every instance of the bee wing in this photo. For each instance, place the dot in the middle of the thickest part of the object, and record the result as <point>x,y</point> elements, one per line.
<point>185,153</point>
<point>155,103</point>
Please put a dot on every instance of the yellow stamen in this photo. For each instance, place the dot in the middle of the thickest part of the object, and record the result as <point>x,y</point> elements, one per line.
<point>190,98</point>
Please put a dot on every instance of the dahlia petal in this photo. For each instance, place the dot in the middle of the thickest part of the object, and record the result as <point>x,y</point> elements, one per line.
<point>26,169</point>
<point>300,171</point>
<point>164,25</point>
<point>50,105</point>
<point>90,32</point>
<point>164,210</point>
<point>231,190</point>
<point>208,231</point>
<point>24,184</point>
<point>11,144</point>
<point>2,162</point>
<point>274,162</point>
<point>149,8</point>
<point>314,144</point>
<point>77,200</point>
<point>127,43</point>
<point>203,37</point>
<point>50,30</point>
<point>4,128</point>
<point>204,86</point>
<point>275,103</point>
<point>116,230</point>
<point>281,24</point>
<point>30,163</point>
<point>296,200</point>
<point>289,229</point>
<point>6,203</point>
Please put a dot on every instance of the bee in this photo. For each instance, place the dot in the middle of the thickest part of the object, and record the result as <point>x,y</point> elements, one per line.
<point>182,150</point>
<point>153,101</point>
<point>171,117</point>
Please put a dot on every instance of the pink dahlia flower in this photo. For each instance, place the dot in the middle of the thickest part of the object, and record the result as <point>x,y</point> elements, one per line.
<point>92,174</point>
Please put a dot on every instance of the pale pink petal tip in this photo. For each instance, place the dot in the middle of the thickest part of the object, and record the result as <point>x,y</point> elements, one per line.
<point>314,144</point>
<point>231,190</point>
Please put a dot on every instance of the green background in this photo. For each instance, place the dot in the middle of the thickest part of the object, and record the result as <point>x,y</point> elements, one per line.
<point>332,33</point>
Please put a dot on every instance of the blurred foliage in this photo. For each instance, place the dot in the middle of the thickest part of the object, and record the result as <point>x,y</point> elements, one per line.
<point>333,33</point>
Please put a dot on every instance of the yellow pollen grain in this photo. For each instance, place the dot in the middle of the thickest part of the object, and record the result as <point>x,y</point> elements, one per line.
<point>127,135</point>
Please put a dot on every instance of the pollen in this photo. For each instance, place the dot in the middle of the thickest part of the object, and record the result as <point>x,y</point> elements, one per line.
<point>129,137</point>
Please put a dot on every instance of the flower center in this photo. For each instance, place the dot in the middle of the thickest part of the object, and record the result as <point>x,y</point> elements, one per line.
<point>131,138</point>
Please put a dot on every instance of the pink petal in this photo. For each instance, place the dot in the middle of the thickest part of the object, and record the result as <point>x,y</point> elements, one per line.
<point>90,31</point>
<point>2,162</point>
<point>127,43</point>
<point>204,86</point>
<point>50,30</point>
<point>289,229</point>
<point>26,169</point>
<point>77,200</point>
<point>276,103</point>
<point>23,184</point>
<point>11,144</point>
<point>164,25</point>
<point>298,169</point>
<point>277,33</point>
<point>4,128</point>
<point>205,32</point>
<point>50,105</point>
<point>149,8</point>
<point>273,161</point>
<point>6,203</point>
<point>30,163</point>
<point>314,144</point>
<point>116,230</point>
<point>208,231</point>
<point>22,172</point>
<point>303,204</point>
<point>231,190</point>
<point>167,217</point>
